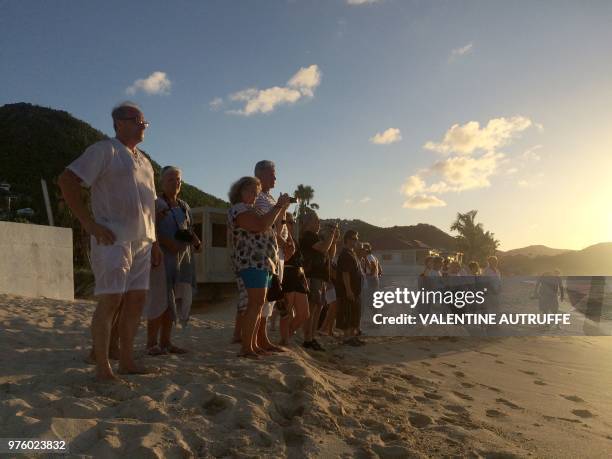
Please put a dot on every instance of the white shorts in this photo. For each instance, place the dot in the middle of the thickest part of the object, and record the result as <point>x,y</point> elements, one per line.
<point>121,267</point>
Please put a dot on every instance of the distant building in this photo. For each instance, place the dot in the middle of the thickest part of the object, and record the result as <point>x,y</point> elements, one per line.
<point>399,256</point>
<point>213,264</point>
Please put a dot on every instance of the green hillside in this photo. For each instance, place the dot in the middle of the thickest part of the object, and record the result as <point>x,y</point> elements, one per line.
<point>38,142</point>
<point>429,234</point>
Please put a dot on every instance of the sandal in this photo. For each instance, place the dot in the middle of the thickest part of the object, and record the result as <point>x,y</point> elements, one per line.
<point>172,349</point>
<point>155,350</point>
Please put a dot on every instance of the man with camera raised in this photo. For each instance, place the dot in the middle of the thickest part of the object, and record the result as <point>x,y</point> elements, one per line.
<point>265,171</point>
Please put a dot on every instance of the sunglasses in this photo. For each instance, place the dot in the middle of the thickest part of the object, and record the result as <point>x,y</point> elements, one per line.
<point>137,121</point>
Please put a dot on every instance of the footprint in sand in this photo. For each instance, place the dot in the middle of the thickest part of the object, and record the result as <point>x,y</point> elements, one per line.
<point>540,383</point>
<point>433,356</point>
<point>467,385</point>
<point>432,396</point>
<point>450,365</point>
<point>488,353</point>
<point>500,362</point>
<point>572,398</point>
<point>530,373</point>
<point>456,409</point>
<point>582,413</point>
<point>459,374</point>
<point>437,373</point>
<point>495,414</point>
<point>494,389</point>
<point>508,403</point>
<point>463,396</point>
<point>427,364</point>
<point>419,420</point>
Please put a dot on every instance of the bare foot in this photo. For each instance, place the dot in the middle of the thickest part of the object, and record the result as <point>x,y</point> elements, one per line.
<point>274,348</point>
<point>90,358</point>
<point>248,355</point>
<point>155,350</point>
<point>172,349</point>
<point>107,377</point>
<point>134,370</point>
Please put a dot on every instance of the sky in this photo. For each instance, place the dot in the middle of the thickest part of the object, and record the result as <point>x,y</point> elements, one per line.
<point>396,112</point>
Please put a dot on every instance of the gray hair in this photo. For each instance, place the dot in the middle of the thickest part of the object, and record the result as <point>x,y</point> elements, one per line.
<point>262,166</point>
<point>235,192</point>
<point>123,110</point>
<point>166,169</point>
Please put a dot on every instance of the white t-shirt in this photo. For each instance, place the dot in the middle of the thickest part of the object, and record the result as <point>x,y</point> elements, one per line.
<point>372,259</point>
<point>264,202</point>
<point>122,189</point>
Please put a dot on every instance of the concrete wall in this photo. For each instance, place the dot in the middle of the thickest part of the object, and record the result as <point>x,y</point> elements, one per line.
<point>36,261</point>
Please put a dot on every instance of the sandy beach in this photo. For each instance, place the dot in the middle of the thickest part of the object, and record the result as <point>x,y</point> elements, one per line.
<point>394,398</point>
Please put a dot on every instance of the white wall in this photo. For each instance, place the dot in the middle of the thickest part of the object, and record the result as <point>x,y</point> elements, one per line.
<point>36,261</point>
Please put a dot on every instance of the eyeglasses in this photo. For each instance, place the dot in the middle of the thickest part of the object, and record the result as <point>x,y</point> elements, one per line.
<point>138,122</point>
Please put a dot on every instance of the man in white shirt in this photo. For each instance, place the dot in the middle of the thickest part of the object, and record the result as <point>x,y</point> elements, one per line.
<point>265,171</point>
<point>122,229</point>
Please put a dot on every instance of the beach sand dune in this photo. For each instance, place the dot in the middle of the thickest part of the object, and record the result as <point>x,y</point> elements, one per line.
<point>394,398</point>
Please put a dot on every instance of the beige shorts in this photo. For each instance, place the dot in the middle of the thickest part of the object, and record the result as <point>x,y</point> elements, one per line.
<point>121,267</point>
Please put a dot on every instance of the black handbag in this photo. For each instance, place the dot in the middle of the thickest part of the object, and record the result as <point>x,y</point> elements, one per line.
<point>275,291</point>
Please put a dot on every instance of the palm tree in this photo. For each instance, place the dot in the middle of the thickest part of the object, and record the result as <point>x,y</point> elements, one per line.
<point>304,193</point>
<point>476,243</point>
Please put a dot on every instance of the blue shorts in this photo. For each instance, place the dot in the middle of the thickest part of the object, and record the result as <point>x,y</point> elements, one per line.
<point>256,278</point>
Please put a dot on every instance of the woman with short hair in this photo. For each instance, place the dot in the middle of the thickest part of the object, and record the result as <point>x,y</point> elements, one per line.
<point>254,257</point>
<point>170,297</point>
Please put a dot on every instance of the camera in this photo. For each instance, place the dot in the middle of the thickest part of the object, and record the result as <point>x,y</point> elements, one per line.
<point>183,235</point>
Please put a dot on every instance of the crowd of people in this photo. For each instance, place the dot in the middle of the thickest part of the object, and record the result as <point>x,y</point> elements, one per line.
<point>305,275</point>
<point>308,278</point>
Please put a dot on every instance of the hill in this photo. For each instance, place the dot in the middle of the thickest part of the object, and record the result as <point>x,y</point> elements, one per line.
<point>38,142</point>
<point>591,261</point>
<point>532,251</point>
<point>423,232</point>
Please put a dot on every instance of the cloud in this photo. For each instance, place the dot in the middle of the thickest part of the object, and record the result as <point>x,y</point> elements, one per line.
<point>365,200</point>
<point>462,51</point>
<point>454,175</point>
<point>531,155</point>
<point>348,201</point>
<point>465,173</point>
<point>473,161</point>
<point>306,80</point>
<point>423,201</point>
<point>387,137</point>
<point>523,183</point>
<point>216,104</point>
<point>360,2</point>
<point>466,139</point>
<point>300,85</point>
<point>413,185</point>
<point>156,83</point>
